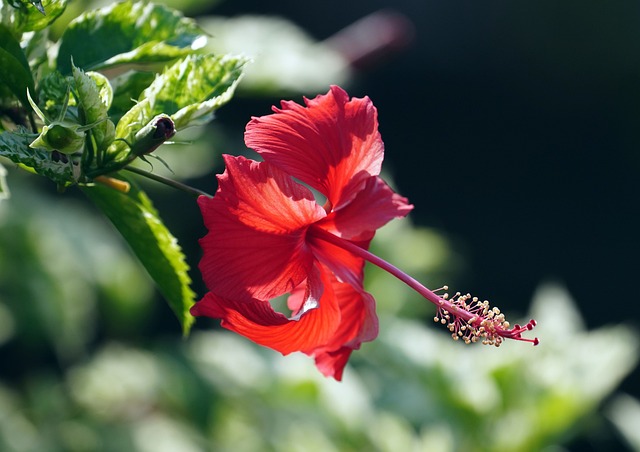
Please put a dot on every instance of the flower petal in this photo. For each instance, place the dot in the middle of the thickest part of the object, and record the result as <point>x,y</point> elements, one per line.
<point>257,320</point>
<point>331,364</point>
<point>332,144</point>
<point>373,207</point>
<point>257,220</point>
<point>359,324</point>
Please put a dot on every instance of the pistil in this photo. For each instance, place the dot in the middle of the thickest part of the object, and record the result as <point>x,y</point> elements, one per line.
<point>466,317</point>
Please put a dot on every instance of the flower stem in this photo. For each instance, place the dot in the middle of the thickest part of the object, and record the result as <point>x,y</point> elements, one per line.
<point>170,182</point>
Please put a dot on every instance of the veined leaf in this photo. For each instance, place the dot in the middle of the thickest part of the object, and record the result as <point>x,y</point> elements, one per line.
<point>189,91</point>
<point>136,219</point>
<point>95,96</point>
<point>127,32</point>
<point>15,146</point>
<point>24,17</point>
<point>15,73</point>
<point>192,89</point>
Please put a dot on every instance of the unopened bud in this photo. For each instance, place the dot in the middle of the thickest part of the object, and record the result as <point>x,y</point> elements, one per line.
<point>151,136</point>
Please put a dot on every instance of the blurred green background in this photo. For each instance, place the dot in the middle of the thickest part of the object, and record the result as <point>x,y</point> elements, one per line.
<point>511,127</point>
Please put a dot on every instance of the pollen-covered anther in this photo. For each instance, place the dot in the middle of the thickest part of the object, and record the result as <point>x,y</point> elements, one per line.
<point>469,319</point>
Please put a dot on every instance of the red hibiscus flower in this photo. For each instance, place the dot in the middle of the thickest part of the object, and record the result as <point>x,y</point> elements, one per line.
<point>269,236</point>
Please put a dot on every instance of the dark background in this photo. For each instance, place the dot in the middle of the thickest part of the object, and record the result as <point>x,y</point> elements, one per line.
<point>513,128</point>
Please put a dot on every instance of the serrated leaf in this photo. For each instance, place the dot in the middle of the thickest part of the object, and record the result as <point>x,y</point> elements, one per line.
<point>94,96</point>
<point>15,146</point>
<point>23,17</point>
<point>192,89</point>
<point>127,32</point>
<point>136,219</point>
<point>15,73</point>
<point>189,91</point>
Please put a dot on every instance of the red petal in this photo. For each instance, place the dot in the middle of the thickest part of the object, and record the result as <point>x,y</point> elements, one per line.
<point>257,320</point>
<point>331,364</point>
<point>257,221</point>
<point>373,207</point>
<point>332,144</point>
<point>359,324</point>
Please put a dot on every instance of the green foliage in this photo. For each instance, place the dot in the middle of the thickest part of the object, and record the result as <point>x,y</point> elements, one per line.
<point>15,74</point>
<point>94,97</point>
<point>66,282</point>
<point>413,389</point>
<point>193,88</point>
<point>62,272</point>
<point>23,17</point>
<point>189,91</point>
<point>285,58</point>
<point>92,120</point>
<point>16,147</point>
<point>127,32</point>
<point>134,216</point>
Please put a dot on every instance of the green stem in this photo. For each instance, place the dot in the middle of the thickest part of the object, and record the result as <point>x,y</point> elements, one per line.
<point>170,182</point>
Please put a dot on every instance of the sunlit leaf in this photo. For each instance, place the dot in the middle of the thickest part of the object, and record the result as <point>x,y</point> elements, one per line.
<point>127,32</point>
<point>189,92</point>
<point>28,17</point>
<point>95,95</point>
<point>136,219</point>
<point>192,89</point>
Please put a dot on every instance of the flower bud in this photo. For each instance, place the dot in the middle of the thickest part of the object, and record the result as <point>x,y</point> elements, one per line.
<point>151,136</point>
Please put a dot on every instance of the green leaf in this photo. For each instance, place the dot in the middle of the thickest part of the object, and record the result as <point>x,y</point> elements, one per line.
<point>52,93</point>
<point>189,91</point>
<point>94,96</point>
<point>4,189</point>
<point>192,89</point>
<point>136,219</point>
<point>15,146</point>
<point>127,32</point>
<point>15,73</point>
<point>24,17</point>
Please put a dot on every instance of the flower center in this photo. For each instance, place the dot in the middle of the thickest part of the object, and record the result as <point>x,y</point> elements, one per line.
<point>465,316</point>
